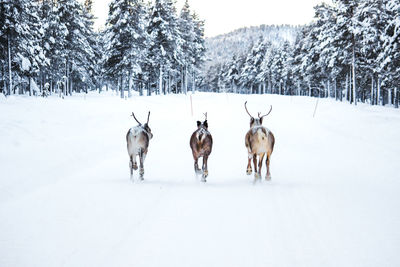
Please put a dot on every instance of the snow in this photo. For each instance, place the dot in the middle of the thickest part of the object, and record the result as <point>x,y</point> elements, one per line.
<point>26,64</point>
<point>34,86</point>
<point>66,198</point>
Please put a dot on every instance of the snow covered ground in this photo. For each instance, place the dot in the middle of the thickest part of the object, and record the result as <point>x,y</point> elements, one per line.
<point>66,198</point>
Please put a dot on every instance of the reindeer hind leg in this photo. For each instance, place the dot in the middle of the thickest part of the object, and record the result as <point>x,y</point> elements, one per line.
<point>256,174</point>
<point>249,170</point>
<point>141,162</point>
<point>196,165</point>
<point>205,168</point>
<point>260,162</point>
<point>131,166</point>
<point>268,176</point>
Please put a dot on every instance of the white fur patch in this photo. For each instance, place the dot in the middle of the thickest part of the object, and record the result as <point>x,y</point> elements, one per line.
<point>135,131</point>
<point>259,129</point>
<point>134,147</point>
<point>203,132</point>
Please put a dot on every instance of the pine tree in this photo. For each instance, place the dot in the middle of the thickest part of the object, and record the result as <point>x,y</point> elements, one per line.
<point>199,46</point>
<point>389,55</point>
<point>186,28</point>
<point>165,41</point>
<point>22,32</point>
<point>125,41</point>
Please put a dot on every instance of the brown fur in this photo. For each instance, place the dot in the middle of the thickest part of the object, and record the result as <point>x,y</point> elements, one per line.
<point>259,142</point>
<point>201,144</point>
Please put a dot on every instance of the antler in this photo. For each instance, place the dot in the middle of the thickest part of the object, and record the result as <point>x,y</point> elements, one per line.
<point>205,114</point>
<point>265,114</point>
<point>148,116</point>
<point>133,115</point>
<point>245,106</point>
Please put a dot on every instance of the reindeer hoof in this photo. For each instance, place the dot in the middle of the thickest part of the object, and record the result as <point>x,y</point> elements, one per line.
<point>256,175</point>
<point>249,171</point>
<point>135,166</point>
<point>203,179</point>
<point>268,177</point>
<point>205,174</point>
<point>198,171</point>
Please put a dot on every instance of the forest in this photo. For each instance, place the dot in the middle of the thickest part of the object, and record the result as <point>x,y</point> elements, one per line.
<point>350,51</point>
<point>50,46</point>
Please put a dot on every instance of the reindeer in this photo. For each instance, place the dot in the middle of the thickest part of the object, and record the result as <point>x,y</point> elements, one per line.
<point>137,140</point>
<point>259,141</point>
<point>201,145</point>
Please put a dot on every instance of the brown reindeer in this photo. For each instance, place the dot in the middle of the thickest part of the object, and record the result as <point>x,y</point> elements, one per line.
<point>259,141</point>
<point>201,145</point>
<point>137,140</point>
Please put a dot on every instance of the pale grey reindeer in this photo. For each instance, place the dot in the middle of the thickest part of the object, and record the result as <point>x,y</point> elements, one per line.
<point>259,142</point>
<point>138,139</point>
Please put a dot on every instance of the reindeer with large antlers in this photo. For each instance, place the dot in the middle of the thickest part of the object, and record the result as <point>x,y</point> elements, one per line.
<point>137,140</point>
<point>201,144</point>
<point>259,141</point>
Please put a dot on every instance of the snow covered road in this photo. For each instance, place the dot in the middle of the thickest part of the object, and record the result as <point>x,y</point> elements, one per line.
<point>66,198</point>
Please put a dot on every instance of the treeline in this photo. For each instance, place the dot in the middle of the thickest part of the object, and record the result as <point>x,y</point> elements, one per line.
<point>50,46</point>
<point>221,48</point>
<point>351,52</point>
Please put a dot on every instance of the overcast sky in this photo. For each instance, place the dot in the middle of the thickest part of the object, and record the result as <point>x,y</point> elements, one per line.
<point>222,16</point>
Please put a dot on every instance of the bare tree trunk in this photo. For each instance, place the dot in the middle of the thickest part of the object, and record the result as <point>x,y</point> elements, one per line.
<point>41,81</point>
<point>372,90</point>
<point>65,83</point>
<point>9,66</point>
<point>335,88</point>
<point>122,85</point>
<point>130,84</point>
<point>194,82</point>
<point>169,83</point>
<point>309,88</point>
<point>284,88</point>
<point>186,79</point>
<point>389,97</point>
<point>396,102</point>
<point>354,73</point>
<point>263,89</point>
<point>30,86</point>
<point>329,88</point>
<point>269,84</point>
<point>161,79</point>
<point>378,91</point>
<point>66,78</point>
<point>182,79</point>
<point>4,80</point>
<point>347,87</point>
<point>298,87</point>
<point>70,87</point>
<point>350,87</point>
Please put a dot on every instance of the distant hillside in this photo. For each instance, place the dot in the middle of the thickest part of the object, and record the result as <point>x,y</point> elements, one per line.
<point>221,48</point>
